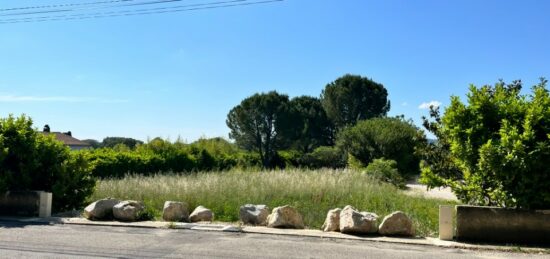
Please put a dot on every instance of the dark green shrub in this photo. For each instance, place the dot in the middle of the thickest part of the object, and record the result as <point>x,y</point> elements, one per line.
<point>390,138</point>
<point>385,171</point>
<point>179,161</point>
<point>249,160</point>
<point>32,161</point>
<point>323,157</point>
<point>227,161</point>
<point>500,143</point>
<point>205,161</point>
<point>113,141</point>
<point>288,158</point>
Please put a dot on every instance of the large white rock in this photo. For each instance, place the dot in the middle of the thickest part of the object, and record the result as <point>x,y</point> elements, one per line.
<point>101,209</point>
<point>355,222</point>
<point>398,224</point>
<point>201,214</point>
<point>128,210</point>
<point>285,217</point>
<point>175,211</point>
<point>254,214</point>
<point>332,222</point>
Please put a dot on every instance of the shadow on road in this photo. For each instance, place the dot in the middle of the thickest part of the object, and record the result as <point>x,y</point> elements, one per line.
<point>23,222</point>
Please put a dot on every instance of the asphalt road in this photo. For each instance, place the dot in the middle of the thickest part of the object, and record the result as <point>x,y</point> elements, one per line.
<point>72,241</point>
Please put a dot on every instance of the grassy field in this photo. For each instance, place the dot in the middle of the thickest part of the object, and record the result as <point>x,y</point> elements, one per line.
<point>313,193</point>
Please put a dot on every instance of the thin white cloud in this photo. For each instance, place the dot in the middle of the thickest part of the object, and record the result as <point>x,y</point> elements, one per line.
<point>427,105</point>
<point>404,104</point>
<point>68,99</point>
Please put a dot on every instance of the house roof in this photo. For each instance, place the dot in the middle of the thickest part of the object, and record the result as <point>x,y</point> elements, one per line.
<point>67,140</point>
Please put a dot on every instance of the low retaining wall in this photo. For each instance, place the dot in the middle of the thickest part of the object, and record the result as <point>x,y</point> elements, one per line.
<point>26,203</point>
<point>492,224</point>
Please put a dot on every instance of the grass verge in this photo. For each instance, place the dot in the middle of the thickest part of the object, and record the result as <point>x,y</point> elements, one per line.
<point>312,192</point>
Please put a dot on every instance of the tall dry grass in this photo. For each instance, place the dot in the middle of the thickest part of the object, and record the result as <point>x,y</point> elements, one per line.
<point>312,192</point>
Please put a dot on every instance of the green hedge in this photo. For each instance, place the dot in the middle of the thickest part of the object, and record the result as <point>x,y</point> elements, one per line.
<point>163,156</point>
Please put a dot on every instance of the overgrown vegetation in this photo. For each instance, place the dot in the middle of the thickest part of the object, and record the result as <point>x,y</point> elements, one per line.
<point>385,171</point>
<point>312,192</point>
<point>389,138</point>
<point>32,161</point>
<point>266,123</point>
<point>497,147</point>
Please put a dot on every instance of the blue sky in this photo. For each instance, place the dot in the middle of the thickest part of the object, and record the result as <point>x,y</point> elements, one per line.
<point>179,74</point>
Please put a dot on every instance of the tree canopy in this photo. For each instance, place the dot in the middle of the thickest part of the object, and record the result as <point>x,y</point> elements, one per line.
<point>352,98</point>
<point>311,127</point>
<point>261,122</point>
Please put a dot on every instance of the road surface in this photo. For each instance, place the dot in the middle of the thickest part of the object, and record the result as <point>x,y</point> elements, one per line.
<point>73,241</point>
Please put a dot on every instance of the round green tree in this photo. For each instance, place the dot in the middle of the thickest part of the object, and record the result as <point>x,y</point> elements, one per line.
<point>352,98</point>
<point>389,138</point>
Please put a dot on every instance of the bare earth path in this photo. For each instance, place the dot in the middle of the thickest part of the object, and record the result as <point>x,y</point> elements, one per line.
<point>72,241</point>
<point>416,189</point>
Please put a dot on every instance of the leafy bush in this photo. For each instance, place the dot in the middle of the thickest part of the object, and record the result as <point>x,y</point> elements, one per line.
<point>437,162</point>
<point>385,171</point>
<point>354,163</point>
<point>390,138</point>
<point>248,160</point>
<point>110,163</point>
<point>500,142</point>
<point>32,161</point>
<point>215,146</point>
<point>323,157</point>
<point>73,185</point>
<point>287,158</point>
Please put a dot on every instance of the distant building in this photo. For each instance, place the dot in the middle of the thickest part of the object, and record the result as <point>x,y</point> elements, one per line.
<point>67,139</point>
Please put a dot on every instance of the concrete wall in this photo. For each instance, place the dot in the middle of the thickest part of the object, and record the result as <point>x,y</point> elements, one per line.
<point>26,204</point>
<point>491,224</point>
